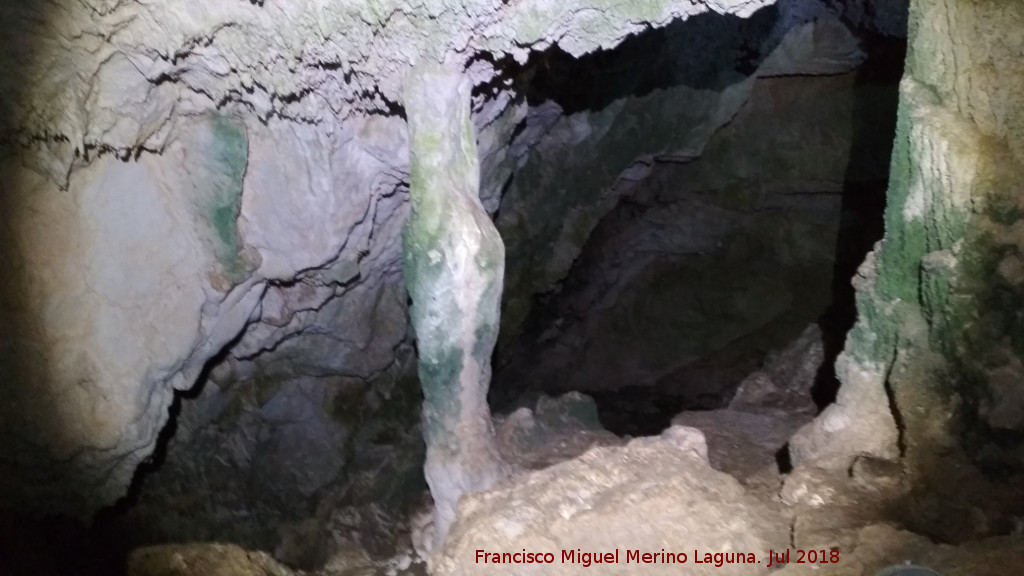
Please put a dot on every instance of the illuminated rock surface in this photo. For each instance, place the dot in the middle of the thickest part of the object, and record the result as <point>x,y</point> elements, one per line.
<point>204,303</point>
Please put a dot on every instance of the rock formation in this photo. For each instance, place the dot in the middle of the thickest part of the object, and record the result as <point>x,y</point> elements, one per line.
<point>932,367</point>
<point>246,246</point>
<point>454,267</point>
<point>260,146</point>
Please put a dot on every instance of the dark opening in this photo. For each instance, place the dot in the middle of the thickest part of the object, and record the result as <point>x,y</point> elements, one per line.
<point>709,255</point>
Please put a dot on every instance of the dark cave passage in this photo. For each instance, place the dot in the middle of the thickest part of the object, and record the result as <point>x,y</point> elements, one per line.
<point>708,260</point>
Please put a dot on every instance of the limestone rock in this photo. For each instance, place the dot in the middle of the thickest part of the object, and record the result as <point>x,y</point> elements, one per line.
<point>628,135</point>
<point>454,265</point>
<point>124,290</point>
<point>202,560</point>
<point>769,406</point>
<point>860,422</point>
<point>785,384</point>
<point>558,429</point>
<point>822,46</point>
<point>652,494</point>
<point>653,299</point>
<point>206,151</point>
<point>270,59</point>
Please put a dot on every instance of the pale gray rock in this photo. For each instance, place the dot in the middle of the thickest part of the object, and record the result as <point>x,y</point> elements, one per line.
<point>279,432</point>
<point>652,494</point>
<point>129,298</point>
<point>273,59</point>
<point>312,193</point>
<point>859,422</point>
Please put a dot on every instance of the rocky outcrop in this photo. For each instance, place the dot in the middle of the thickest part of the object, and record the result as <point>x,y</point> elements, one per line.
<point>556,200</point>
<point>554,430</point>
<point>120,293</point>
<point>654,495</point>
<point>750,435</point>
<point>931,370</point>
<point>215,193</point>
<point>202,560</point>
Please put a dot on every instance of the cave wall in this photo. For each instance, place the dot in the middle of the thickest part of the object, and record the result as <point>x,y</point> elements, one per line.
<point>178,174</point>
<point>932,370</point>
<point>601,124</point>
<point>706,264</point>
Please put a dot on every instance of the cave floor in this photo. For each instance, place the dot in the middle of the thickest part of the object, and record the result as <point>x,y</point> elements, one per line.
<point>721,475</point>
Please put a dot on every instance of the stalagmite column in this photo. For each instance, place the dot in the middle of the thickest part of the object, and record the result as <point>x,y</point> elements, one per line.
<point>454,265</point>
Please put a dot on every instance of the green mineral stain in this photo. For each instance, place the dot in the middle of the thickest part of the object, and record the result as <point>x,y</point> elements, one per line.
<point>224,223</point>
<point>439,371</point>
<point>227,162</point>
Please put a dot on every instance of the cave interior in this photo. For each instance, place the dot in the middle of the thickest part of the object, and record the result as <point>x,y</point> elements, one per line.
<point>688,218</point>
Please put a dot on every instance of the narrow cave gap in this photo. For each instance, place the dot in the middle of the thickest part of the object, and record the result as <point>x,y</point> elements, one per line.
<point>654,60</point>
<point>565,338</point>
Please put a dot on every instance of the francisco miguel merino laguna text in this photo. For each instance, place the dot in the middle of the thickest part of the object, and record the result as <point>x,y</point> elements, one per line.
<point>585,559</point>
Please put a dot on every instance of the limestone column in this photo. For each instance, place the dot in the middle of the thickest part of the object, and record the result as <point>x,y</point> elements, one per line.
<point>454,264</point>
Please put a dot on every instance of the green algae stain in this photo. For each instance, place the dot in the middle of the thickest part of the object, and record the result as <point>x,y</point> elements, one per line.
<point>227,158</point>
<point>905,242</point>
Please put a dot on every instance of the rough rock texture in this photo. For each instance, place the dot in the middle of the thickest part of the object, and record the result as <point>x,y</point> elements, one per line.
<point>202,560</point>
<point>557,429</point>
<point>938,338</point>
<point>769,406</point>
<point>931,371</point>
<point>652,494</point>
<point>320,388</point>
<point>785,384</point>
<point>683,99</point>
<point>142,64</point>
<point>704,265</point>
<point>880,545</point>
<point>119,294</point>
<point>829,508</point>
<point>207,151</point>
<point>454,264</point>
<point>290,465</point>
